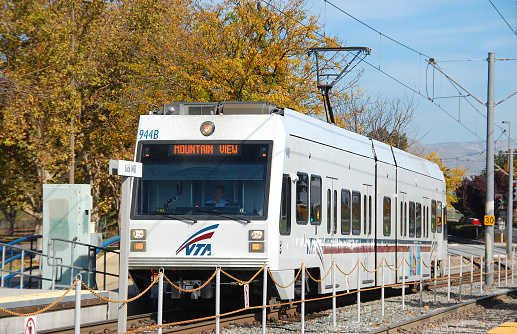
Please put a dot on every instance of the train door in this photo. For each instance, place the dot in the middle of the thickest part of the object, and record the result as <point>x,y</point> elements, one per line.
<point>402,234</point>
<point>331,230</point>
<point>368,258</point>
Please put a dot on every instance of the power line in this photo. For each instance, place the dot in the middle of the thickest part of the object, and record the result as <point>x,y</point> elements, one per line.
<point>377,31</point>
<point>514,31</point>
<point>388,75</point>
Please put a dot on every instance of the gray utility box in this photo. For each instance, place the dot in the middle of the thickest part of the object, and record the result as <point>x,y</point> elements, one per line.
<point>66,232</point>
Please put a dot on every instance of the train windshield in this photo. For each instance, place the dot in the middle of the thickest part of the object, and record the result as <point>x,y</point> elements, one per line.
<point>202,181</point>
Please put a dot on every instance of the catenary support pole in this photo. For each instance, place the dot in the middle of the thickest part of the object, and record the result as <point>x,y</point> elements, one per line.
<point>489,204</point>
<point>302,306</point>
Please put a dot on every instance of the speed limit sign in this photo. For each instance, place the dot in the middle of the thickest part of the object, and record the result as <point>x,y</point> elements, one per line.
<point>489,220</point>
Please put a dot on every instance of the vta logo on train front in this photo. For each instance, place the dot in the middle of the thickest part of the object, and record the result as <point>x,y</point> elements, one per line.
<point>192,245</point>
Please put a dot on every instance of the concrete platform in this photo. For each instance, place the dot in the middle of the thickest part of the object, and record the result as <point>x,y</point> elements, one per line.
<point>60,315</point>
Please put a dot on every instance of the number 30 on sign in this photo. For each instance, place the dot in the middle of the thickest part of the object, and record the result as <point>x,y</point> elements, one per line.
<point>489,220</point>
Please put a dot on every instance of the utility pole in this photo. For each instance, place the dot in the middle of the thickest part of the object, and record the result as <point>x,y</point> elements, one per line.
<point>509,210</point>
<point>489,202</point>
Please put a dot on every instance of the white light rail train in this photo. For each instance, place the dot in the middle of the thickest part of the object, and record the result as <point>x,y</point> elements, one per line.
<point>240,185</point>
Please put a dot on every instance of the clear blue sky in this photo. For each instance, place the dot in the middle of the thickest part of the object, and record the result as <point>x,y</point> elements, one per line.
<point>465,30</point>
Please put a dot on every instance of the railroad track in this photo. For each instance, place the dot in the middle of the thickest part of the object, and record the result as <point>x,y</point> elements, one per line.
<point>476,316</point>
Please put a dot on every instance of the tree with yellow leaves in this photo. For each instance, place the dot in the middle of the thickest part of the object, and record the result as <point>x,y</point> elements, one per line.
<point>453,177</point>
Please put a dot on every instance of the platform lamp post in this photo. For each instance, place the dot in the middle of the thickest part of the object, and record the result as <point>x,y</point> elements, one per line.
<point>509,211</point>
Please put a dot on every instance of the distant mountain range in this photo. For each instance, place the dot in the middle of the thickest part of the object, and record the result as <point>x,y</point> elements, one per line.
<point>466,154</point>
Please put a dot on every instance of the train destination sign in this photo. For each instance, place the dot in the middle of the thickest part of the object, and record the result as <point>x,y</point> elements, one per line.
<point>205,149</point>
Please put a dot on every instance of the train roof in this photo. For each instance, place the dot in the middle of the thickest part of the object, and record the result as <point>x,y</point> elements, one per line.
<point>313,129</point>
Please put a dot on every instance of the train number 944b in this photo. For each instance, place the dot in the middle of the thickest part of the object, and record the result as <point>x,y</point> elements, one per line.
<point>148,134</point>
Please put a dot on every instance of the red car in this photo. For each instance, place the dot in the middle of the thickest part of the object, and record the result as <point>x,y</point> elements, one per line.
<point>475,221</point>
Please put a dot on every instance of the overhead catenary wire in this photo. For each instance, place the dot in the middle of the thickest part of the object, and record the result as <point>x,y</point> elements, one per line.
<point>392,77</point>
<point>508,24</point>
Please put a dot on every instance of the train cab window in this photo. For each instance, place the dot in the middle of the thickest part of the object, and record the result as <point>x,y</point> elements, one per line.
<point>345,211</point>
<point>356,212</point>
<point>302,198</point>
<point>439,217</point>
<point>316,200</point>
<point>412,219</point>
<point>418,223</point>
<point>433,216</point>
<point>285,206</point>
<point>386,216</point>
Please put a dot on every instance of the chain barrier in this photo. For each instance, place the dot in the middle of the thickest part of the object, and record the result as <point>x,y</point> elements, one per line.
<point>294,280</point>
<point>242,282</point>
<point>46,308</point>
<point>195,289</point>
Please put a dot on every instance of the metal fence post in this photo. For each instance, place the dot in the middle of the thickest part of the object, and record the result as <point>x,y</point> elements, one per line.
<point>435,275</point>
<point>499,269</point>
<point>382,289</point>
<point>159,316</point>
<point>77,324</point>
<point>403,283</point>
<point>449,262</point>
<point>358,291</point>
<point>461,273</point>
<point>22,269</point>
<point>334,324</point>
<point>3,266</point>
<point>264,301</point>
<point>481,276</point>
<point>471,274</point>
<point>302,306</point>
<point>217,299</point>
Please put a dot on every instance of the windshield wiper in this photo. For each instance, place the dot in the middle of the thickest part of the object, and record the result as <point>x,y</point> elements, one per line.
<point>225,214</point>
<point>177,216</point>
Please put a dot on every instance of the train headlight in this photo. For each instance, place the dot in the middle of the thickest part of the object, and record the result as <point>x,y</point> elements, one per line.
<point>256,235</point>
<point>207,128</point>
<point>138,234</point>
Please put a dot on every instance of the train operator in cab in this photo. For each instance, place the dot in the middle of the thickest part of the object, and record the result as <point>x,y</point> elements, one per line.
<point>218,200</point>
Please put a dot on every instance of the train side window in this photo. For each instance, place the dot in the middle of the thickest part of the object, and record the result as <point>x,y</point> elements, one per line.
<point>401,218</point>
<point>345,211</point>
<point>433,216</point>
<point>316,199</point>
<point>412,219</point>
<point>365,215</point>
<point>427,221</point>
<point>302,192</point>
<point>356,212</point>
<point>405,218</point>
<point>285,206</point>
<point>386,221</point>
<point>329,213</point>
<point>335,211</point>
<point>418,216</point>
<point>439,217</point>
<point>369,214</point>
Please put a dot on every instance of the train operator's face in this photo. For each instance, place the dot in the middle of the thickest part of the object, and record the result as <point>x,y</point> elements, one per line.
<point>218,194</point>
